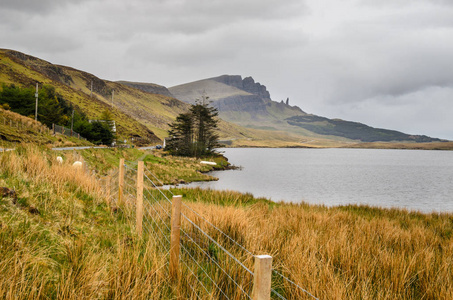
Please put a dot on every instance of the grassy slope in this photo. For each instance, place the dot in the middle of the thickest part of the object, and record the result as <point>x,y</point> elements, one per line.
<point>17,129</point>
<point>135,111</point>
<point>62,240</point>
<point>152,110</point>
<point>169,169</point>
<point>24,73</point>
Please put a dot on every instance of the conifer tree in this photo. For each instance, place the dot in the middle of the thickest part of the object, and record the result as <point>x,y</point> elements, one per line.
<point>194,133</point>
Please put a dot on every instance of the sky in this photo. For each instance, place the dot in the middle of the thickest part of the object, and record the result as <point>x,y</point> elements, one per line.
<point>385,63</point>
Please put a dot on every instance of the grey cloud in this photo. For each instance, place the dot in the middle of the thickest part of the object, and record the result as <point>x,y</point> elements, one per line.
<point>418,113</point>
<point>343,59</point>
<point>36,7</point>
<point>189,17</point>
<point>382,59</point>
<point>405,3</point>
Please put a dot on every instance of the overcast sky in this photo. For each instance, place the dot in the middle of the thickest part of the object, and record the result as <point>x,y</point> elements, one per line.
<point>386,63</point>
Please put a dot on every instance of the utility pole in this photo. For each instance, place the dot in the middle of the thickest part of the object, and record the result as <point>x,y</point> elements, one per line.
<point>91,90</point>
<point>113,93</point>
<point>36,107</point>
<point>72,121</point>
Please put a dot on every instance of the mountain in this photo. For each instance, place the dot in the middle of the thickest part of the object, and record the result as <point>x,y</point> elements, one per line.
<point>75,86</point>
<point>248,103</point>
<point>354,130</point>
<point>238,100</point>
<point>249,117</point>
<point>141,110</point>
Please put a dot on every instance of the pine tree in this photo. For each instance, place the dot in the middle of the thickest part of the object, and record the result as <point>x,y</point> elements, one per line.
<point>181,136</point>
<point>194,133</point>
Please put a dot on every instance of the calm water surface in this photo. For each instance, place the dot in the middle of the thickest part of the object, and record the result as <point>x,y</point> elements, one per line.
<point>416,180</point>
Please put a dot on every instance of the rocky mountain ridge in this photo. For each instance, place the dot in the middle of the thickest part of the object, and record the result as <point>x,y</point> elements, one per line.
<point>248,103</point>
<point>144,110</point>
<point>247,84</point>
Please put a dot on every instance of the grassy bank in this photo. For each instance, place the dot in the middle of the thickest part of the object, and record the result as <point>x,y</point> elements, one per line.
<point>61,238</point>
<point>411,146</point>
<point>169,169</point>
<point>16,129</point>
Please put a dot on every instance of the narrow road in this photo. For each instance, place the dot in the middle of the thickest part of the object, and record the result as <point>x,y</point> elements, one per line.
<point>78,148</point>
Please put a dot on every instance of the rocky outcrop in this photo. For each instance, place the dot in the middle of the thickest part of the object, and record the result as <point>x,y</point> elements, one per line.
<point>149,88</point>
<point>52,71</point>
<point>231,80</point>
<point>247,84</point>
<point>255,88</point>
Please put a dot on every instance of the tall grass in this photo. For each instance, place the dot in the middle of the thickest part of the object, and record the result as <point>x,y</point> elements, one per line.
<point>75,244</point>
<point>351,252</point>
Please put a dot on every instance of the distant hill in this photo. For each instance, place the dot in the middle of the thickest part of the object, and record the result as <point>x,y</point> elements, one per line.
<point>148,87</point>
<point>248,103</point>
<point>238,100</point>
<point>75,86</point>
<point>354,130</point>
<point>142,111</point>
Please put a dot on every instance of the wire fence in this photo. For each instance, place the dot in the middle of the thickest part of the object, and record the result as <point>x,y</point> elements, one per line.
<point>66,131</point>
<point>212,263</point>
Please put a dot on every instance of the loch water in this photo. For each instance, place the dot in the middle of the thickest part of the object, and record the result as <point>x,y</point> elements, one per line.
<point>417,180</point>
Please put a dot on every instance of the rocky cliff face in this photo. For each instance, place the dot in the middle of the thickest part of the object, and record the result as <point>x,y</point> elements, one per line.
<point>247,84</point>
<point>247,103</point>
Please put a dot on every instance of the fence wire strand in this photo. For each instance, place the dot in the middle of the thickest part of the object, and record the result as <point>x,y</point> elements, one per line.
<point>196,262</point>
<point>155,224</point>
<point>219,230</point>
<point>295,284</point>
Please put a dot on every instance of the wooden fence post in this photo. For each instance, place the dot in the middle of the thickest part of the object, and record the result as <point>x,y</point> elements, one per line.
<point>120,181</point>
<point>262,278</point>
<point>175,233</point>
<point>139,204</point>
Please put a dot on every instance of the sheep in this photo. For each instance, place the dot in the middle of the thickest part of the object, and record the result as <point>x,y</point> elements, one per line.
<point>77,165</point>
<point>59,159</point>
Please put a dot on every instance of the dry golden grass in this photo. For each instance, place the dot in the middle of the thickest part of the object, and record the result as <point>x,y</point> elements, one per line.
<point>16,129</point>
<point>78,247</point>
<point>347,252</point>
<point>72,245</point>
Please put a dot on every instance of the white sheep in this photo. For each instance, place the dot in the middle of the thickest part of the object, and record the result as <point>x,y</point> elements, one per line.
<point>59,159</point>
<point>77,165</point>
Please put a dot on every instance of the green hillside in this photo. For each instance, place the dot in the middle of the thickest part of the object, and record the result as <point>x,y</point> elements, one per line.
<point>354,130</point>
<point>24,70</point>
<point>139,109</point>
<point>16,129</point>
<point>142,111</point>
